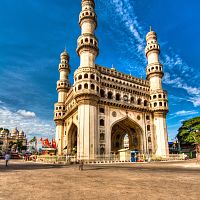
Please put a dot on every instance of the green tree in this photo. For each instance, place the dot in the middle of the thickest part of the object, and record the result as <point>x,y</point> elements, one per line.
<point>189,132</point>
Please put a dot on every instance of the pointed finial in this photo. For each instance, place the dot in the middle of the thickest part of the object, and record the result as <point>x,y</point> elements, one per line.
<point>113,68</point>
<point>150,28</point>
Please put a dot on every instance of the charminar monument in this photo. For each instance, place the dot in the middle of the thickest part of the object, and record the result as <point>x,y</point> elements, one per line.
<point>105,107</point>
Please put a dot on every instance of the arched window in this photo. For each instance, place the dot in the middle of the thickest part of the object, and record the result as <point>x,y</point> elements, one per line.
<point>165,104</point>
<point>147,117</point>
<point>79,87</point>
<point>126,141</point>
<point>145,102</point>
<point>154,96</point>
<point>92,86</point>
<point>101,122</point>
<point>97,89</point>
<point>102,151</point>
<point>155,104</point>
<point>139,101</point>
<point>148,128</point>
<point>102,93</point>
<point>79,77</point>
<point>85,75</point>
<point>160,103</point>
<point>101,110</point>
<point>110,95</point>
<point>86,39</point>
<point>86,86</point>
<point>92,76</point>
<point>149,139</point>
<point>102,136</point>
<point>117,97</point>
<point>132,99</point>
<point>159,96</point>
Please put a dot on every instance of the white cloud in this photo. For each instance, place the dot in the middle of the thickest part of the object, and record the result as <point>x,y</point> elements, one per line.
<point>186,113</point>
<point>27,114</point>
<point>171,61</point>
<point>126,13</point>
<point>194,92</point>
<point>26,121</point>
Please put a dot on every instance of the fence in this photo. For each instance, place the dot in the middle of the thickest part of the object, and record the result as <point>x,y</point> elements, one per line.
<point>107,159</point>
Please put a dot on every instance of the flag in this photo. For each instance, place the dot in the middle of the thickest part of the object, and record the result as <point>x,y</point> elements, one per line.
<point>33,140</point>
<point>54,143</point>
<point>45,143</point>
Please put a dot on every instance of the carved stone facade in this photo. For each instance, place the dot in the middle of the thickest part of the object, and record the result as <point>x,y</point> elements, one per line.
<point>104,105</point>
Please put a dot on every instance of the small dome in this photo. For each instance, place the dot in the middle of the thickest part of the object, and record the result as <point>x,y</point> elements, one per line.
<point>21,133</point>
<point>151,33</point>
<point>14,132</point>
<point>64,54</point>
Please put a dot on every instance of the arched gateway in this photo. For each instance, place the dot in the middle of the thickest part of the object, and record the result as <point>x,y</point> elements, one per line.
<point>106,110</point>
<point>134,132</point>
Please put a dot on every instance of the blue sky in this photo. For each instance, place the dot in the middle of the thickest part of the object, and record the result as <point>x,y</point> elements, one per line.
<point>33,33</point>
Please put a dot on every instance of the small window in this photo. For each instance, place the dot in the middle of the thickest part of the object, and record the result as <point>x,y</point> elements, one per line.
<point>110,95</point>
<point>155,104</point>
<point>117,97</point>
<point>86,86</point>
<point>79,87</point>
<point>92,76</point>
<point>147,117</point>
<point>159,96</point>
<point>139,101</point>
<point>148,128</point>
<point>102,136</point>
<point>102,93</point>
<point>101,110</point>
<point>145,102</point>
<point>160,103</point>
<point>154,96</point>
<point>101,122</point>
<point>92,86</point>
<point>132,100</point>
<point>79,77</point>
<point>85,75</point>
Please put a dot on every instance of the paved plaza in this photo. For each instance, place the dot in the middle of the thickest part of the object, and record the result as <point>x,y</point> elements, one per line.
<point>27,180</point>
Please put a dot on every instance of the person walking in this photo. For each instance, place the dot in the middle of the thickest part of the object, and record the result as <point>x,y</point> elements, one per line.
<point>7,158</point>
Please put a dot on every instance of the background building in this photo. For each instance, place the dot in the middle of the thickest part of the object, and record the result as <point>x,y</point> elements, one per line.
<point>9,139</point>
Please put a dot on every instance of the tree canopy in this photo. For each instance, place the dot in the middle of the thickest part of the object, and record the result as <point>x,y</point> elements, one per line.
<point>189,132</point>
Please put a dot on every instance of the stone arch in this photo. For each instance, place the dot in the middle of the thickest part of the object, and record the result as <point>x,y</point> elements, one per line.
<point>72,139</point>
<point>122,127</point>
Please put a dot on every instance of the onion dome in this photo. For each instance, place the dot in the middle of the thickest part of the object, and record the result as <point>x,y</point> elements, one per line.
<point>14,132</point>
<point>64,55</point>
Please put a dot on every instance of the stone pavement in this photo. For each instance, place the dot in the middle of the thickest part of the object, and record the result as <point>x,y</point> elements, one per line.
<point>27,180</point>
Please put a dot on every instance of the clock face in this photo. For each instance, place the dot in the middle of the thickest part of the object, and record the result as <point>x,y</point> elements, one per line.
<point>125,98</point>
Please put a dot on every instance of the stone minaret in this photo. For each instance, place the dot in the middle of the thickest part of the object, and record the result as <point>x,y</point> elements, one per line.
<point>63,86</point>
<point>87,83</point>
<point>158,97</point>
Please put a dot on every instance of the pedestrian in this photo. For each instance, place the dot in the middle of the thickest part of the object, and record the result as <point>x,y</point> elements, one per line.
<point>7,158</point>
<point>81,165</point>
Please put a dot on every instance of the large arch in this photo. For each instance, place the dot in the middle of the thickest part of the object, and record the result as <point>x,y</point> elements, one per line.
<point>72,139</point>
<point>123,127</point>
